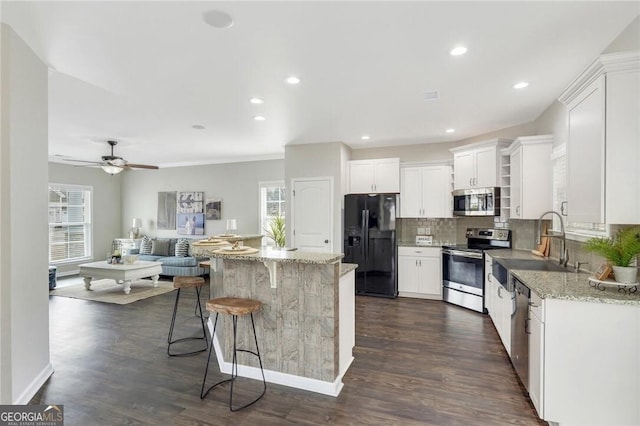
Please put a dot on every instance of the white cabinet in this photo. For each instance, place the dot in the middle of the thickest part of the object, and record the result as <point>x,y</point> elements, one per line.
<point>531,176</point>
<point>419,272</point>
<point>476,165</point>
<point>583,362</point>
<point>374,176</point>
<point>603,106</point>
<point>536,353</point>
<point>425,191</point>
<point>498,302</point>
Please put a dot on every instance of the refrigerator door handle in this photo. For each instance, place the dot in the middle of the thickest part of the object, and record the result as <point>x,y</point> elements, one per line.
<point>363,221</point>
<point>365,232</point>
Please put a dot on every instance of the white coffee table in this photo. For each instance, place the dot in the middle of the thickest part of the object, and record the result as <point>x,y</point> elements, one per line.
<point>120,272</point>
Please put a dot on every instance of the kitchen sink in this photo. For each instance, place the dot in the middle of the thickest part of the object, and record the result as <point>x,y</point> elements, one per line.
<point>532,265</point>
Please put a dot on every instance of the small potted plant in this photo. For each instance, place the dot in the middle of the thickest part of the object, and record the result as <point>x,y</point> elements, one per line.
<point>276,231</point>
<point>620,251</point>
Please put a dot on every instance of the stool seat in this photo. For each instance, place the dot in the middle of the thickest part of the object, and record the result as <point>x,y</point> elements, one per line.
<point>187,282</point>
<point>233,305</point>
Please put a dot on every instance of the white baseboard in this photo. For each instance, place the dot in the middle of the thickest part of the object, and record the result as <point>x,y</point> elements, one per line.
<point>34,386</point>
<point>276,377</point>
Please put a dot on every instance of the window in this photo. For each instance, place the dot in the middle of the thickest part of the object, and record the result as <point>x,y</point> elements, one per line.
<point>272,204</point>
<point>69,223</point>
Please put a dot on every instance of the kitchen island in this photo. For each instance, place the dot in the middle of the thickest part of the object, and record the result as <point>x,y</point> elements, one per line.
<point>305,328</point>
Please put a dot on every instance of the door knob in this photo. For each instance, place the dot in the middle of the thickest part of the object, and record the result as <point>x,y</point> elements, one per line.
<point>326,241</point>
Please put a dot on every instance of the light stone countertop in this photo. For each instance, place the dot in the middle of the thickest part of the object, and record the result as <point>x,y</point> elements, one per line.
<point>413,244</point>
<point>345,268</point>
<point>274,255</point>
<point>564,285</point>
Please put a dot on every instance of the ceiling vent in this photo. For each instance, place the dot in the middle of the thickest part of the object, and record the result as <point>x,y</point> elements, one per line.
<point>434,95</point>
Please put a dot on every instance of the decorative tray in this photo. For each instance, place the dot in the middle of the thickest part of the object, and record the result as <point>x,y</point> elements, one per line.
<point>211,242</point>
<point>237,250</point>
<point>622,287</point>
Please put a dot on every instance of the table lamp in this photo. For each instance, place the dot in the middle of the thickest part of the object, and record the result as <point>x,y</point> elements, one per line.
<point>231,226</point>
<point>134,232</point>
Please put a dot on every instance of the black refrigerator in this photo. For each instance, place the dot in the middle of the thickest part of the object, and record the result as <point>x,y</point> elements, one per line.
<point>370,241</point>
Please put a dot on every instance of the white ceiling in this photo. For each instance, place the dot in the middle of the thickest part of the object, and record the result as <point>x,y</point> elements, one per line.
<point>144,72</point>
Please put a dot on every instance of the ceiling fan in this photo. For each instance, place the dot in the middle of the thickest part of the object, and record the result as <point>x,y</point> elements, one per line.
<point>113,164</point>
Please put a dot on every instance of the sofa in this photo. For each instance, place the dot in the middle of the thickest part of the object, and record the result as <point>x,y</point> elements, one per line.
<point>163,250</point>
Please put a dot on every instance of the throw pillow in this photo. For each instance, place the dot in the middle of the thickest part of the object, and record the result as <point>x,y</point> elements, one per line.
<point>182,248</point>
<point>160,247</point>
<point>145,245</point>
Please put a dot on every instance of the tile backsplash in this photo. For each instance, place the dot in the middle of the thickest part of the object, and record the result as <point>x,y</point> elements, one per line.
<point>452,230</point>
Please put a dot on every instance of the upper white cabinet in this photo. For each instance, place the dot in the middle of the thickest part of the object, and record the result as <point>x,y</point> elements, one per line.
<point>531,176</point>
<point>374,176</point>
<point>476,165</point>
<point>425,191</point>
<point>603,145</point>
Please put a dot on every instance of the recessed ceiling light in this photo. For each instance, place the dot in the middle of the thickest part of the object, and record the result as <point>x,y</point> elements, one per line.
<point>218,19</point>
<point>450,130</point>
<point>520,85</point>
<point>259,118</point>
<point>292,80</point>
<point>256,101</point>
<point>365,137</point>
<point>459,50</point>
<point>198,126</point>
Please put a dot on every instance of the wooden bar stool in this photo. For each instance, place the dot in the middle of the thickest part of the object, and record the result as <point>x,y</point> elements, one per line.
<point>180,283</point>
<point>235,307</point>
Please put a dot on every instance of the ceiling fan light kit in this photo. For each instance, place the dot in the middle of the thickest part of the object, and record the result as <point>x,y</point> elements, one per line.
<point>111,169</point>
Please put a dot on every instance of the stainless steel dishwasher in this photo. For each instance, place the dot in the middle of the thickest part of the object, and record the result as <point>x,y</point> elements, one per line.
<point>520,332</point>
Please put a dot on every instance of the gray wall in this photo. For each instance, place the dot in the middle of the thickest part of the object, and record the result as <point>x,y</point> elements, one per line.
<point>107,208</point>
<point>319,160</point>
<point>24,298</point>
<point>236,184</point>
<point>628,39</point>
<point>438,151</point>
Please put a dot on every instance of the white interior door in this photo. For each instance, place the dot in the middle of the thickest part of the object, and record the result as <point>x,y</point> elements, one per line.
<point>312,212</point>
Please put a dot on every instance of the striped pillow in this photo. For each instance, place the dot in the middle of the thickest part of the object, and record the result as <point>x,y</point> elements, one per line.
<point>182,248</point>
<point>146,245</point>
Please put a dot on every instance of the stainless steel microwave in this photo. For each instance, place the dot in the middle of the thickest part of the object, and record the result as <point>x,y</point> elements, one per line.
<point>476,202</point>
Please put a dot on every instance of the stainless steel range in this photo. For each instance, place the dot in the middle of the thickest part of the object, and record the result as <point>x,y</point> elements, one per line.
<point>463,266</point>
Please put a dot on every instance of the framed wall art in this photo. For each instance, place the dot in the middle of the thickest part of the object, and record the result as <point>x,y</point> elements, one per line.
<point>190,202</point>
<point>213,209</point>
<point>166,210</point>
<point>190,223</point>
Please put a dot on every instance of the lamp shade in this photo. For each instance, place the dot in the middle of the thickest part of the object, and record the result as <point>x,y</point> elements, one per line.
<point>137,222</point>
<point>112,170</point>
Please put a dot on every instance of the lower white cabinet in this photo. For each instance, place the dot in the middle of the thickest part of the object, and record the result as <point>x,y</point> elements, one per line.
<point>420,272</point>
<point>499,303</point>
<point>583,362</point>
<point>536,353</point>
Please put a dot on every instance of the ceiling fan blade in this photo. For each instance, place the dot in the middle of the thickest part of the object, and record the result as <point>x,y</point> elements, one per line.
<point>140,166</point>
<point>83,161</point>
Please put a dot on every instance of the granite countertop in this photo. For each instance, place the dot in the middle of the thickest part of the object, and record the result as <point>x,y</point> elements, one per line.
<point>572,286</point>
<point>345,268</point>
<point>274,255</point>
<point>235,237</point>
<point>564,285</point>
<point>413,244</point>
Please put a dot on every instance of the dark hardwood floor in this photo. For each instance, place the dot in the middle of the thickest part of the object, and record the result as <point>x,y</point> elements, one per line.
<point>417,362</point>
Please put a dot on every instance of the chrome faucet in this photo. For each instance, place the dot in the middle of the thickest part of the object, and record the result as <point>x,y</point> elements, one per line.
<point>564,253</point>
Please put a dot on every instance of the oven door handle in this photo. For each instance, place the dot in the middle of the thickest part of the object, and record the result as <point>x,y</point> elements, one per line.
<point>460,253</point>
